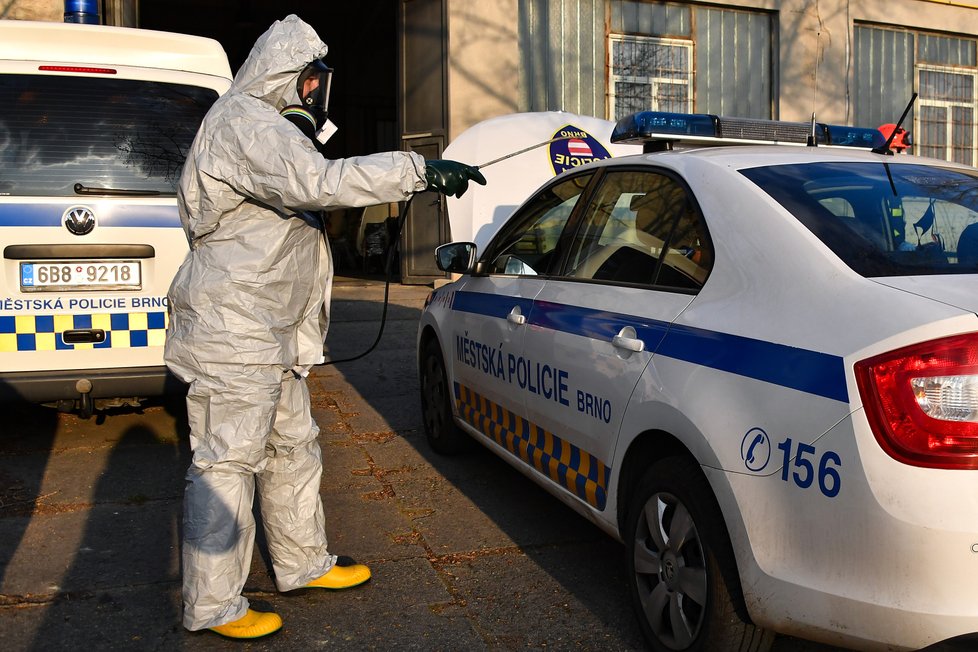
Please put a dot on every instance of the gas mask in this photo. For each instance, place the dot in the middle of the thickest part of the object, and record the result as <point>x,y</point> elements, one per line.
<point>313,89</point>
<point>301,118</point>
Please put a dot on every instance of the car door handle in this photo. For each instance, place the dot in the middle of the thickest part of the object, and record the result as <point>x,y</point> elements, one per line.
<point>516,317</point>
<point>626,339</point>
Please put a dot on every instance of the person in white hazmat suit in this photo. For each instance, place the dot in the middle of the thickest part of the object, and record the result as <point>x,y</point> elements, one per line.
<point>249,309</point>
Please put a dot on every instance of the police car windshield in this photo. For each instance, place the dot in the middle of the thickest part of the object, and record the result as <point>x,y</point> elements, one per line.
<point>883,219</point>
<point>109,133</point>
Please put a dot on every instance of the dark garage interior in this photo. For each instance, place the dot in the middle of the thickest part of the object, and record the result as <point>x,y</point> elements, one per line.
<point>362,41</point>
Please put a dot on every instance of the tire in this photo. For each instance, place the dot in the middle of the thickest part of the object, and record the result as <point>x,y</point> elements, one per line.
<point>682,574</point>
<point>444,436</point>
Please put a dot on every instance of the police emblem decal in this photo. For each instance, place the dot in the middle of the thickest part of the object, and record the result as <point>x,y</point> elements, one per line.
<point>572,147</point>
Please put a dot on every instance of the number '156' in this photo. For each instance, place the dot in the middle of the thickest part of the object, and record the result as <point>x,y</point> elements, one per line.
<point>803,470</point>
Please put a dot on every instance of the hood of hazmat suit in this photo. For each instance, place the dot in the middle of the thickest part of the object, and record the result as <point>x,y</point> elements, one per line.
<point>255,287</point>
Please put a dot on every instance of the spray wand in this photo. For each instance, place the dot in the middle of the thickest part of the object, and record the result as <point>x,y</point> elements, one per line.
<point>522,151</point>
<point>396,242</point>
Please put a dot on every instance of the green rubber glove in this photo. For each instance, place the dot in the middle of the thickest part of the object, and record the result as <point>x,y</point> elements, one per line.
<point>451,177</point>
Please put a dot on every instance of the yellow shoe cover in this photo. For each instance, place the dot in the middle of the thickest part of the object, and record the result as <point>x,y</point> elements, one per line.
<point>254,624</point>
<point>341,577</point>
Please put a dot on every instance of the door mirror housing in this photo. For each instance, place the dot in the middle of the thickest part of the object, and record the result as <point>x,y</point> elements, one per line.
<point>456,257</point>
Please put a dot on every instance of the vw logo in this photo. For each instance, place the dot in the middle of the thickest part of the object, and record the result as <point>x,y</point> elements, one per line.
<point>80,220</point>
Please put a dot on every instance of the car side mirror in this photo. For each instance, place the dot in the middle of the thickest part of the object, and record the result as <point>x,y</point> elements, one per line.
<point>456,257</point>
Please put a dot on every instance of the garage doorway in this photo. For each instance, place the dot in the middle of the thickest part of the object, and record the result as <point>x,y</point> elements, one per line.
<point>362,40</point>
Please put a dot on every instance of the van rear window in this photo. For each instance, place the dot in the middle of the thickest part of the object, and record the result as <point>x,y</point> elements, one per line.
<point>57,132</point>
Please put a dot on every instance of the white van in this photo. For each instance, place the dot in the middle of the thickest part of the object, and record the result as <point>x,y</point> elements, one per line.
<point>95,127</point>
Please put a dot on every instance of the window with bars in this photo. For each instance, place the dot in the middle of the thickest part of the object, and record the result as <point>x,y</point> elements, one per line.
<point>891,63</point>
<point>649,73</point>
<point>946,113</point>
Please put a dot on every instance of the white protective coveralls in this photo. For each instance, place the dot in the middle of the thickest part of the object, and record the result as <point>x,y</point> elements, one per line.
<point>248,305</point>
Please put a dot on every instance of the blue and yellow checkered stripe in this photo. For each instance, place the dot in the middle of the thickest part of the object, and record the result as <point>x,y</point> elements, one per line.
<point>45,332</point>
<point>575,469</point>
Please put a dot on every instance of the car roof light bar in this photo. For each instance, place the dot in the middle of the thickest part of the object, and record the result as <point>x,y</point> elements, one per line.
<point>658,130</point>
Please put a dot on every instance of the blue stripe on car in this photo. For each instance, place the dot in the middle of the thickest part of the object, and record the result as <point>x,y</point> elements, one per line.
<point>596,324</point>
<point>489,305</point>
<point>813,372</point>
<point>806,371</point>
<point>110,215</point>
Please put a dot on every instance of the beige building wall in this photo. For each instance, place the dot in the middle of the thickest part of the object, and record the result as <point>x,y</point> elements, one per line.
<point>32,9</point>
<point>822,32</point>
<point>815,41</point>
<point>124,13</point>
<point>483,61</point>
<point>815,49</point>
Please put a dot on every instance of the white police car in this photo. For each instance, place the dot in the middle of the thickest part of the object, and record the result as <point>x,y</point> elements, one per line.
<point>755,365</point>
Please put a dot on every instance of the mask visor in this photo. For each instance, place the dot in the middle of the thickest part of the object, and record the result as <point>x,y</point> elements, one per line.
<point>314,88</point>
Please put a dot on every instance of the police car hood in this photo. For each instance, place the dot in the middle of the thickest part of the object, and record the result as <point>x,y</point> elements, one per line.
<point>278,56</point>
<point>958,290</point>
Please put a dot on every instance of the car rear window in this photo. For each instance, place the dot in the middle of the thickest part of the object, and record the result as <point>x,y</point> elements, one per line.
<point>100,132</point>
<point>883,219</point>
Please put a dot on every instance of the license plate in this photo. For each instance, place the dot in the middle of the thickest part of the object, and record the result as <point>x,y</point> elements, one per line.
<point>81,275</point>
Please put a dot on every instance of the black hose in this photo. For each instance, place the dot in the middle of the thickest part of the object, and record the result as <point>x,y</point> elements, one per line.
<point>392,247</point>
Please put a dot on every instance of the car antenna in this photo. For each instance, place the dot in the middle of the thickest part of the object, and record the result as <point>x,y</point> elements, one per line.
<point>812,141</point>
<point>885,147</point>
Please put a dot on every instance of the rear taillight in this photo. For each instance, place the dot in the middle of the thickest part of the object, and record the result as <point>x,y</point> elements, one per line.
<point>922,402</point>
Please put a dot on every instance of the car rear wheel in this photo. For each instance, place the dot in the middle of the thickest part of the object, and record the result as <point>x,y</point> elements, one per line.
<point>680,561</point>
<point>443,434</point>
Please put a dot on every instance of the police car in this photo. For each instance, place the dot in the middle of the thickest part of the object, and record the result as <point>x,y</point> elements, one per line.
<point>756,365</point>
<point>95,126</point>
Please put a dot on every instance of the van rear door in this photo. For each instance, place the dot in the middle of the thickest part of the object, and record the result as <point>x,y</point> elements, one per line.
<point>89,229</point>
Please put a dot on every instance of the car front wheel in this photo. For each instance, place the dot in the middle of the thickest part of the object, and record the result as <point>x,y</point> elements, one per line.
<point>443,434</point>
<point>677,554</point>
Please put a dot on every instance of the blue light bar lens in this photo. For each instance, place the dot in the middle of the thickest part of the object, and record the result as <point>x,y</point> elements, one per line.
<point>639,127</point>
<point>853,136</point>
<point>649,126</point>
